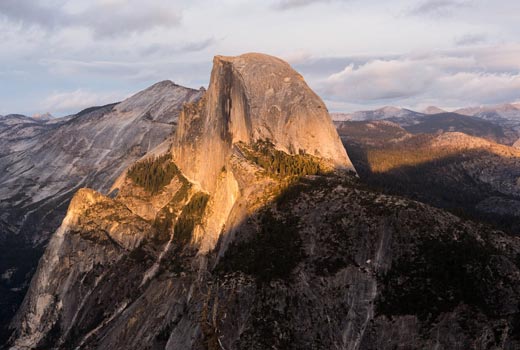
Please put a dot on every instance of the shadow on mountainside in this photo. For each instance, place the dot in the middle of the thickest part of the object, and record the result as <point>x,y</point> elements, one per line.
<point>328,248</point>
<point>449,180</point>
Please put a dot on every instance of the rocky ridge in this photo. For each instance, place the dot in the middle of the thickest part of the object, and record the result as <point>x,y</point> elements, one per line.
<point>497,124</point>
<point>45,162</point>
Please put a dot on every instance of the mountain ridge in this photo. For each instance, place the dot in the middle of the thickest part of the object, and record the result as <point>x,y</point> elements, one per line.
<point>46,161</point>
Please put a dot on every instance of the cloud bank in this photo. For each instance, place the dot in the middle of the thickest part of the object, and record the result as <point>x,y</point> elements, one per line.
<point>78,99</point>
<point>452,79</point>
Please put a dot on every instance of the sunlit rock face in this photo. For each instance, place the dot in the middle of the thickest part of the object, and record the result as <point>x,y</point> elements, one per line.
<point>253,97</point>
<point>96,232</point>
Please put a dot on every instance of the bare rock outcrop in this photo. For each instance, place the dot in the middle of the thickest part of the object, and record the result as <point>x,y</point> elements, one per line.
<point>253,97</point>
<point>71,261</point>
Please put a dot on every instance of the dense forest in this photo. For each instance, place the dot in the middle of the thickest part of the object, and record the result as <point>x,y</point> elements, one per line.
<point>281,164</point>
<point>153,173</point>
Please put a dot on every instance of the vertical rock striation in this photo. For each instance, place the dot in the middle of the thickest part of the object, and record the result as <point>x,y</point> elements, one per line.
<point>253,97</point>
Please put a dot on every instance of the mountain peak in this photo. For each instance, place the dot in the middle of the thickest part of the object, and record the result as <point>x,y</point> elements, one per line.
<point>157,99</point>
<point>390,109</point>
<point>250,98</point>
<point>433,110</point>
<point>163,84</point>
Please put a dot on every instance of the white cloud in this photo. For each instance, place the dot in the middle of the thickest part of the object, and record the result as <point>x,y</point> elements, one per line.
<point>126,45</point>
<point>75,101</point>
<point>380,80</point>
<point>289,4</point>
<point>297,57</point>
<point>471,39</point>
<point>469,88</point>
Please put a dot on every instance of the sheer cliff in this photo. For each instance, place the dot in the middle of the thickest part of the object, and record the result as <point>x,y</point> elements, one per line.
<point>250,98</point>
<point>253,232</point>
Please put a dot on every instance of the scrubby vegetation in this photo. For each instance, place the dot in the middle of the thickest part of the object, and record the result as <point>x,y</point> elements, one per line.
<point>412,152</point>
<point>280,164</point>
<point>190,217</point>
<point>153,174</point>
<point>271,254</point>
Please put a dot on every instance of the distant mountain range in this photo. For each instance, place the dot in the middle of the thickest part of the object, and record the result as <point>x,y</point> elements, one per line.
<point>505,111</point>
<point>453,170</point>
<point>499,123</point>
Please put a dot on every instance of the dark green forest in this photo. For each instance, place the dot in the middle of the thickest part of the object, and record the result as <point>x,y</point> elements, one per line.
<point>153,174</point>
<point>280,164</point>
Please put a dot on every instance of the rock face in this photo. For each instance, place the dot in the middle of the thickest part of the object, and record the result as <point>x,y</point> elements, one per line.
<point>257,238</point>
<point>47,161</point>
<point>44,162</point>
<point>92,219</point>
<point>250,98</point>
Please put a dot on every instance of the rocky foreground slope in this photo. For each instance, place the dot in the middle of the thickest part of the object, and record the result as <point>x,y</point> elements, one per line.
<point>251,235</point>
<point>44,162</point>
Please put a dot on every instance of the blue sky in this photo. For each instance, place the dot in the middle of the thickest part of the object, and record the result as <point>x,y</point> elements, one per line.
<point>60,56</point>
